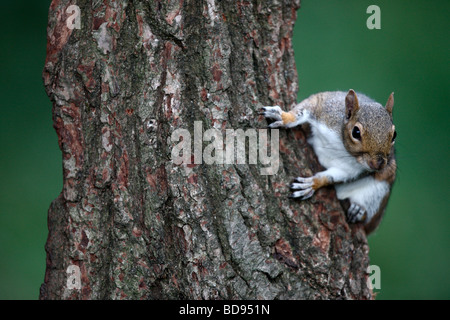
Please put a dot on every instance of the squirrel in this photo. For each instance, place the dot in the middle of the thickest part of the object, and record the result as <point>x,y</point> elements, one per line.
<point>353,137</point>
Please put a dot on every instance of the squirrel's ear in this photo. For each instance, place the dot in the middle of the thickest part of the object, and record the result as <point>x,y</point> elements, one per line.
<point>390,104</point>
<point>351,104</point>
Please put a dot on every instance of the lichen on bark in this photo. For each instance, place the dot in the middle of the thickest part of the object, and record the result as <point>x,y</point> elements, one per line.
<point>141,227</point>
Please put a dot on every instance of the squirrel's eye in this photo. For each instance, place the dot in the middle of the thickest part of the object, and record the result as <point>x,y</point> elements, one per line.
<point>394,136</point>
<point>356,133</point>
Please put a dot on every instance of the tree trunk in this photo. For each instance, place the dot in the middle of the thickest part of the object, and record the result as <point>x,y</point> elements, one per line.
<point>132,223</point>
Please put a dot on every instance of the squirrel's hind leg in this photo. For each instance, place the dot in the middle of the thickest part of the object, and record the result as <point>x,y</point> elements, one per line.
<point>365,196</point>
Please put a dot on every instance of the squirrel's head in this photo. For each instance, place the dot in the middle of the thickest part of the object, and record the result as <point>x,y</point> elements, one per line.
<point>369,133</point>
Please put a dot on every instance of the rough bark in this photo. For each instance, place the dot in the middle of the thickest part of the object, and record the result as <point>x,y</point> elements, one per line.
<point>141,227</point>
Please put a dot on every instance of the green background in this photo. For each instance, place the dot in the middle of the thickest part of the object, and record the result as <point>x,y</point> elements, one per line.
<point>409,55</point>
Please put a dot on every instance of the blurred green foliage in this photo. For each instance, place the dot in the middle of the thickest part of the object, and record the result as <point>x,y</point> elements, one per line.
<point>30,160</point>
<point>335,51</point>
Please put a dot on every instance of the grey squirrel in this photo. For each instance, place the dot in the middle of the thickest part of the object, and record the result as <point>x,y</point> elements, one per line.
<point>353,137</point>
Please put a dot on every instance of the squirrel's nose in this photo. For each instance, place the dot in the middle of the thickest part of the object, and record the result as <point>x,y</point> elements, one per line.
<point>377,163</point>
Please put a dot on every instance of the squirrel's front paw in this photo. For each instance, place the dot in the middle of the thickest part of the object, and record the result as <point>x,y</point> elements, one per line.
<point>302,188</point>
<point>356,213</point>
<point>273,113</point>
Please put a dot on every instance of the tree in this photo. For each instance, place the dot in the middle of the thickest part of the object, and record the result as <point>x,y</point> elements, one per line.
<point>130,223</point>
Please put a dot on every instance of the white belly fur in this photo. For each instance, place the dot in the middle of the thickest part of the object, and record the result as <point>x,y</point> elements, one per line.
<point>331,152</point>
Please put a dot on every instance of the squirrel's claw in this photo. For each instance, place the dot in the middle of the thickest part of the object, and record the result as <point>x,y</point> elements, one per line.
<point>275,124</point>
<point>356,213</point>
<point>302,188</point>
<point>271,112</point>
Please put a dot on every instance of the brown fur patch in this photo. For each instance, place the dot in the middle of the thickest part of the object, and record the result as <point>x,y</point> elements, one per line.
<point>376,219</point>
<point>287,117</point>
<point>320,182</point>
